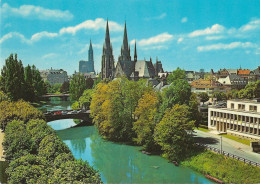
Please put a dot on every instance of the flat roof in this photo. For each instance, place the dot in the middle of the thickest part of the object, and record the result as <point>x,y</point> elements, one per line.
<point>236,110</point>
<point>253,101</point>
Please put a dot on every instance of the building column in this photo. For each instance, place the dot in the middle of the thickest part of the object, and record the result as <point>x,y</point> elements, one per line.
<point>257,130</point>
<point>237,122</point>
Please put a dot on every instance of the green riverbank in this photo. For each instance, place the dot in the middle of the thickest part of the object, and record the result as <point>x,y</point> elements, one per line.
<point>226,169</point>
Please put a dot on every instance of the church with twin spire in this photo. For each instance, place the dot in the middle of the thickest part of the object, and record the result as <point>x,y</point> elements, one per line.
<point>125,66</point>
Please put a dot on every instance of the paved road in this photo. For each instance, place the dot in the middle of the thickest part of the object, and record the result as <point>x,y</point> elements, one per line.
<point>228,145</point>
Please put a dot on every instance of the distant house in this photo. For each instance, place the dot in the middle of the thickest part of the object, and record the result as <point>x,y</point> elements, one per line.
<point>254,75</point>
<point>244,73</point>
<point>207,86</point>
<point>54,76</point>
<point>233,81</point>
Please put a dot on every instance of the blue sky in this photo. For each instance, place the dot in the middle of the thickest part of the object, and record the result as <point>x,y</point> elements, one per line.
<point>191,34</point>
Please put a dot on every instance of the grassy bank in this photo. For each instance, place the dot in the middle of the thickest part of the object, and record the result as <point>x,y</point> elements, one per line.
<point>243,141</point>
<point>223,168</point>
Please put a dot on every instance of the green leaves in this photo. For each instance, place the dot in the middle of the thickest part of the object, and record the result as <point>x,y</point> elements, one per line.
<point>175,75</point>
<point>77,86</point>
<point>173,132</point>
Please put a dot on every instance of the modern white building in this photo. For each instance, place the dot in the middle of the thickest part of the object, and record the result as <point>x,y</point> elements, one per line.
<point>240,118</point>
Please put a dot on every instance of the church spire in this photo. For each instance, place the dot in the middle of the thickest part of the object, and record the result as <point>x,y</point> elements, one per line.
<point>90,45</point>
<point>125,49</point>
<point>107,39</point>
<point>135,54</point>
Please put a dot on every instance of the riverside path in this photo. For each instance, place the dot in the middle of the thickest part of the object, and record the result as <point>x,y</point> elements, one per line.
<point>228,145</point>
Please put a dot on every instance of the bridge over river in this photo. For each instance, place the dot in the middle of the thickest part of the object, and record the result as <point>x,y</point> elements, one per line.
<point>63,97</point>
<point>69,114</point>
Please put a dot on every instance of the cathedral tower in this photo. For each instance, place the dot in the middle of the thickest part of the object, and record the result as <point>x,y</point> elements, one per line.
<point>125,49</point>
<point>91,58</point>
<point>107,63</point>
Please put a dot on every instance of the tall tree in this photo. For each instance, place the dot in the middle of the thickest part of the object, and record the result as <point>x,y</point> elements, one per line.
<point>175,75</point>
<point>173,133</point>
<point>89,83</point>
<point>194,111</point>
<point>77,86</point>
<point>12,80</point>
<point>65,87</point>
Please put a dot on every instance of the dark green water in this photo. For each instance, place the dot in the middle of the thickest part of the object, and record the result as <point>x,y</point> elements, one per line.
<point>120,163</point>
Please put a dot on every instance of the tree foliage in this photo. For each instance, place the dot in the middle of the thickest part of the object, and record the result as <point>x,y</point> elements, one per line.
<point>172,133</point>
<point>194,111</point>
<point>77,86</point>
<point>3,96</point>
<point>89,83</point>
<point>175,75</point>
<point>145,114</point>
<point>19,82</point>
<point>204,97</point>
<point>20,110</point>
<point>85,99</point>
<point>65,87</point>
<point>220,96</point>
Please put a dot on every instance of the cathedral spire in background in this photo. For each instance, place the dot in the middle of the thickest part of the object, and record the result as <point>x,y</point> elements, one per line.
<point>135,54</point>
<point>125,49</point>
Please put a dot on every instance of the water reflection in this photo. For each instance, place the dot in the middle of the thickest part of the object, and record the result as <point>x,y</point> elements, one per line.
<point>119,163</point>
<point>55,104</point>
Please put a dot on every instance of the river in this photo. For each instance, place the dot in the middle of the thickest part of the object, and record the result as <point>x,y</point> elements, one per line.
<point>119,163</point>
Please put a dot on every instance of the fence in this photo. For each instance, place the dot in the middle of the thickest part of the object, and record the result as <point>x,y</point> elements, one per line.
<point>249,162</point>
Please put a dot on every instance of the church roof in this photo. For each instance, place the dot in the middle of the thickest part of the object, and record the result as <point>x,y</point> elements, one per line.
<point>145,68</point>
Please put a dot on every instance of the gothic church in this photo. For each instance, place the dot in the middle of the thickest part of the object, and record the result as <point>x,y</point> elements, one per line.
<point>132,69</point>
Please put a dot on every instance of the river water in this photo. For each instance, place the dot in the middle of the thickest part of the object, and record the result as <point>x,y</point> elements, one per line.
<point>119,163</point>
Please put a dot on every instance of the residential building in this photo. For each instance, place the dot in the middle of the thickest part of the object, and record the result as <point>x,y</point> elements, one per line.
<point>254,75</point>
<point>207,86</point>
<point>87,66</point>
<point>54,76</point>
<point>240,118</point>
<point>234,81</point>
<point>243,73</point>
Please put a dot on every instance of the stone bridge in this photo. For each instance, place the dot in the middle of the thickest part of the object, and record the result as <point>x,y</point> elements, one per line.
<point>63,97</point>
<point>68,114</point>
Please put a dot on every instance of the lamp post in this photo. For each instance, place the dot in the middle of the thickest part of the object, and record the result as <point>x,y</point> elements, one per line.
<point>221,144</point>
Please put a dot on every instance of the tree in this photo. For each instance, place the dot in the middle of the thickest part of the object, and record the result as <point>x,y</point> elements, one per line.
<point>204,97</point>
<point>65,87</point>
<point>51,146</point>
<point>89,83</point>
<point>20,110</point>
<point>173,133</point>
<point>85,99</point>
<point>195,115</point>
<point>177,93</point>
<point>233,94</point>
<point>17,141</point>
<point>12,80</point>
<point>252,90</point>
<point>28,169</point>
<point>77,86</point>
<point>145,114</point>
<point>175,75</point>
<point>29,86</point>
<point>219,96</point>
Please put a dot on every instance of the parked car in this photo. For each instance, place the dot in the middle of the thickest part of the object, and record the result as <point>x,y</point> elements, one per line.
<point>74,112</point>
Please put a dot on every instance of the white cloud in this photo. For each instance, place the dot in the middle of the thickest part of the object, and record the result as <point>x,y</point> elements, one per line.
<point>184,19</point>
<point>96,24</point>
<point>161,38</point>
<point>221,46</point>
<point>38,36</point>
<point>214,37</point>
<point>163,15</point>
<point>215,29</point>
<point>252,25</point>
<point>50,55</point>
<point>180,40</point>
<point>36,12</point>
<point>14,35</point>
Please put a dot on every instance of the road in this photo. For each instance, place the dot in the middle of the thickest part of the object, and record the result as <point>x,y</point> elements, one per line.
<point>228,145</point>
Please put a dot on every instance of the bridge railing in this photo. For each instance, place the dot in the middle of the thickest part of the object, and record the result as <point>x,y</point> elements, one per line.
<point>216,150</point>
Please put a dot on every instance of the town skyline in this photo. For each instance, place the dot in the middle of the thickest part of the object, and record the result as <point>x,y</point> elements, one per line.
<point>59,33</point>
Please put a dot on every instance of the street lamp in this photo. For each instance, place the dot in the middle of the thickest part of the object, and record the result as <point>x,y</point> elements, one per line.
<point>221,144</point>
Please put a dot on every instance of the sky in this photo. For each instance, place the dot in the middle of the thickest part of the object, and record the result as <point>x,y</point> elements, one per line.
<point>190,34</point>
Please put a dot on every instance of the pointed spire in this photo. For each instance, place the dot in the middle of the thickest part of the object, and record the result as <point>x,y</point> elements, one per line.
<point>135,54</point>
<point>90,45</point>
<point>107,39</point>
<point>125,41</point>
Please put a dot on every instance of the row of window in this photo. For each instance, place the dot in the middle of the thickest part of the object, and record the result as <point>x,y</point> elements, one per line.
<point>235,127</point>
<point>234,117</point>
<point>242,107</point>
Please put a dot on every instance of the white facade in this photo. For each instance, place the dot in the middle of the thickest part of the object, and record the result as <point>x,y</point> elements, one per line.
<point>54,76</point>
<point>240,118</point>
